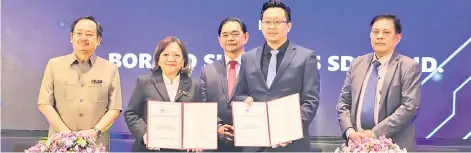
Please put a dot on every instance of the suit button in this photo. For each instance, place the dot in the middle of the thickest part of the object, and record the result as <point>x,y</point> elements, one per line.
<point>81,100</point>
<point>81,114</point>
<point>82,85</point>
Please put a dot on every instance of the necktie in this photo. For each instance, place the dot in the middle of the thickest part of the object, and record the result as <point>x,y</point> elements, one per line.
<point>369,99</point>
<point>272,68</point>
<point>231,77</point>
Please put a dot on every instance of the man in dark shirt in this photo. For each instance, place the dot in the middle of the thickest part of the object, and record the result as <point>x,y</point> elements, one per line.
<point>280,68</point>
<point>266,57</point>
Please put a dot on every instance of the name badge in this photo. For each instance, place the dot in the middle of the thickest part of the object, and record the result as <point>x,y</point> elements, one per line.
<point>97,81</point>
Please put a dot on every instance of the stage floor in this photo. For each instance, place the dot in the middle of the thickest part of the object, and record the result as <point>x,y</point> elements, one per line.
<point>18,141</point>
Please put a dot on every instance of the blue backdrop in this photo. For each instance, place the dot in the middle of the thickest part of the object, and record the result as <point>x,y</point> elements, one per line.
<point>435,33</point>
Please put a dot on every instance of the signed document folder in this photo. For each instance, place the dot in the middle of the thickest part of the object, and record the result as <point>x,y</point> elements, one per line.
<point>179,125</point>
<point>267,123</point>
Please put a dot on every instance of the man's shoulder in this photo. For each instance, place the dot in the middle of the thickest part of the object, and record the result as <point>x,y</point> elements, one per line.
<point>362,57</point>
<point>105,62</point>
<point>301,48</point>
<point>211,66</point>
<point>302,51</point>
<point>407,61</point>
<point>253,50</point>
<point>408,65</point>
<point>365,56</point>
<point>357,60</point>
<point>250,54</point>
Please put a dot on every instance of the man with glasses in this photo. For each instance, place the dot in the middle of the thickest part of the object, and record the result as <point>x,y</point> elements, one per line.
<point>280,68</point>
<point>80,91</point>
<point>218,79</point>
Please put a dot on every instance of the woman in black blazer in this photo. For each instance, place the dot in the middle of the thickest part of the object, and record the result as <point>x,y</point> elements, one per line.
<point>169,80</point>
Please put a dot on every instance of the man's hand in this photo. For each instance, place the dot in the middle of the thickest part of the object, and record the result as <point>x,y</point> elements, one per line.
<point>249,101</point>
<point>356,136</point>
<point>282,144</point>
<point>90,132</point>
<point>369,133</point>
<point>226,131</point>
<point>145,143</point>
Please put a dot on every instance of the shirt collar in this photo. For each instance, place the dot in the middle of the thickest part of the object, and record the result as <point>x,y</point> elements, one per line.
<point>168,81</point>
<point>238,59</point>
<point>383,60</point>
<point>74,60</point>
<point>267,49</point>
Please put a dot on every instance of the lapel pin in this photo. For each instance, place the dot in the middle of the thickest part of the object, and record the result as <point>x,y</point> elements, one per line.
<point>184,93</point>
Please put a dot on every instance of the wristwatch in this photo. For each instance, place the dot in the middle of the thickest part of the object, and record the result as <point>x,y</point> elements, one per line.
<point>98,131</point>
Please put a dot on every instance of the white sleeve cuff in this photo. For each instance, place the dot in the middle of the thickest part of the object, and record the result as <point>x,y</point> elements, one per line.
<point>349,131</point>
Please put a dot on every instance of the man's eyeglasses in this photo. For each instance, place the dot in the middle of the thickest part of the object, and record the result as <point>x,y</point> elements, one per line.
<point>276,22</point>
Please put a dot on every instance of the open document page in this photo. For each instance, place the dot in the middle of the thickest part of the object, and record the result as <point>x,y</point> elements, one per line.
<point>164,121</point>
<point>200,125</point>
<point>284,118</point>
<point>250,124</point>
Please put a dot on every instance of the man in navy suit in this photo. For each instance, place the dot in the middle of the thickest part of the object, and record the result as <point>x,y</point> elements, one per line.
<point>280,68</point>
<point>218,79</point>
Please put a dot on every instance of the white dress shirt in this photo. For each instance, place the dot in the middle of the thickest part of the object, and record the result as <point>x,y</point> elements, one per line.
<point>381,75</point>
<point>228,66</point>
<point>171,86</point>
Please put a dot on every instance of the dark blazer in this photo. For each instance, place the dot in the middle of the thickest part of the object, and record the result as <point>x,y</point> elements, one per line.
<point>152,87</point>
<point>214,89</point>
<point>297,73</point>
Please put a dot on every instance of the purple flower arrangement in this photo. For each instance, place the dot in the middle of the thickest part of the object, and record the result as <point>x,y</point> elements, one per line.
<point>381,144</point>
<point>67,142</point>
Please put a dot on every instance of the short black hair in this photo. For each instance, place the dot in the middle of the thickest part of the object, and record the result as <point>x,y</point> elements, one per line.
<point>233,19</point>
<point>279,4</point>
<point>99,28</point>
<point>396,20</point>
